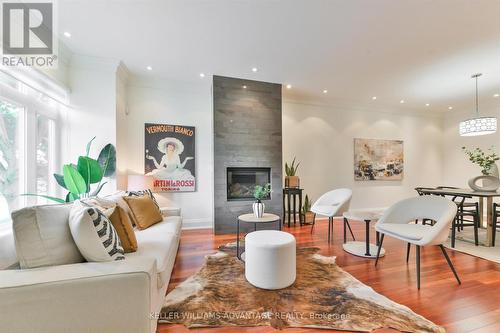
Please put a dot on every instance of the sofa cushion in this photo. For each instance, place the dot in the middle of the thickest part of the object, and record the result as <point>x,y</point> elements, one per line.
<point>94,234</point>
<point>42,236</point>
<point>160,242</point>
<point>120,220</point>
<point>118,199</point>
<point>124,228</point>
<point>147,192</point>
<point>144,210</point>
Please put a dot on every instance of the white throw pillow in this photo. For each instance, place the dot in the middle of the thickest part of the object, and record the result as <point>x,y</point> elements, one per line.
<point>42,236</point>
<point>94,234</point>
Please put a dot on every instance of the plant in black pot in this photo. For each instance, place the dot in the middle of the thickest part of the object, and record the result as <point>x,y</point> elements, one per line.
<point>260,193</point>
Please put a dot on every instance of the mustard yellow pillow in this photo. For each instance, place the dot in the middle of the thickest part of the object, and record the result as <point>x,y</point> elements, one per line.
<point>119,219</point>
<point>145,211</point>
<point>117,198</point>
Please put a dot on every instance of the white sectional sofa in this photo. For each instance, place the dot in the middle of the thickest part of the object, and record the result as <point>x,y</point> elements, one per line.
<point>119,296</point>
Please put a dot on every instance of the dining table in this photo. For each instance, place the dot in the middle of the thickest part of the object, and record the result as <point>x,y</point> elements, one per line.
<point>485,205</point>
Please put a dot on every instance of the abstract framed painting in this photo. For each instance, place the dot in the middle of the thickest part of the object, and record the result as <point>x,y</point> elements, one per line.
<point>376,159</point>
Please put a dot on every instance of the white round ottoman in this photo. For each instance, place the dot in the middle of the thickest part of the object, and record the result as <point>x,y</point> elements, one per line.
<point>270,259</point>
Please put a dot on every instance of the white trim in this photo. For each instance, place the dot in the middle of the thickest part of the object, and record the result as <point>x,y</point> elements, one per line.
<point>38,81</point>
<point>202,223</point>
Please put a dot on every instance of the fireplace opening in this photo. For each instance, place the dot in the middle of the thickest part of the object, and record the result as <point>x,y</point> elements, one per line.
<point>241,182</point>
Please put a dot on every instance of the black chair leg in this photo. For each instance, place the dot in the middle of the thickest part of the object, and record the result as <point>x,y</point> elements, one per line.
<point>331,222</point>
<point>345,231</point>
<point>476,226</point>
<point>450,263</point>
<point>453,228</point>
<point>350,230</point>
<point>408,246</point>
<point>379,248</point>
<point>418,266</point>
<point>329,227</point>
<point>314,222</point>
<point>495,217</point>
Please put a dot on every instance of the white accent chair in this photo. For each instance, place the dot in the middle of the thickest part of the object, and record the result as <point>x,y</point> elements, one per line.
<point>270,259</point>
<point>398,222</point>
<point>332,204</point>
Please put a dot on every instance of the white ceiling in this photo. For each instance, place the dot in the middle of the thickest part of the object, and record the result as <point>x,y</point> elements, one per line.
<point>422,51</point>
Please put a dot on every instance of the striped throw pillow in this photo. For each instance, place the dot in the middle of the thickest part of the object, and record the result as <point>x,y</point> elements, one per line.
<point>94,234</point>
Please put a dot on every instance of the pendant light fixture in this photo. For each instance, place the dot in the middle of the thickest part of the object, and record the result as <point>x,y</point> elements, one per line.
<point>478,125</point>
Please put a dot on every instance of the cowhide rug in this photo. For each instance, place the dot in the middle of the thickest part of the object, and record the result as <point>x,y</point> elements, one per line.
<point>323,296</point>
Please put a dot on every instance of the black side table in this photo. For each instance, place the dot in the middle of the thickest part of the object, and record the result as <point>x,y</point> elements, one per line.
<point>288,194</point>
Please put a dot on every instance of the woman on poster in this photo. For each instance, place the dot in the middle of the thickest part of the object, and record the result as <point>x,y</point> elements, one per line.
<point>170,166</point>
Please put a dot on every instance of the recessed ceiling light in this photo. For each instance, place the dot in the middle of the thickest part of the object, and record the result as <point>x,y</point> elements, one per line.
<point>149,68</point>
<point>288,86</point>
<point>244,87</point>
<point>254,69</point>
<point>67,34</point>
<point>496,95</point>
<point>202,74</point>
<point>450,107</point>
<point>427,104</point>
<point>402,101</point>
<point>325,91</point>
<point>374,97</point>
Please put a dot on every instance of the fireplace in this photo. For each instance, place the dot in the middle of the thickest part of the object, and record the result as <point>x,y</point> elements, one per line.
<point>241,182</point>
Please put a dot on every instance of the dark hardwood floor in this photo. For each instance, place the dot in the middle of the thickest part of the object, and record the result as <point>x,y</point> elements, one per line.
<point>473,306</point>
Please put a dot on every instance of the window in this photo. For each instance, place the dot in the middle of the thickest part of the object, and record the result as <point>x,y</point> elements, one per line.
<point>28,148</point>
<point>11,158</point>
<point>45,157</point>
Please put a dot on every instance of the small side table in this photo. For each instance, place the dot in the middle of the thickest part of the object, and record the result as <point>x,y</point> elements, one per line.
<point>288,194</point>
<point>362,249</point>
<point>250,218</point>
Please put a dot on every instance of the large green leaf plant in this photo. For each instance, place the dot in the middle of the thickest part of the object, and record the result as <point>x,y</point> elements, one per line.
<point>79,179</point>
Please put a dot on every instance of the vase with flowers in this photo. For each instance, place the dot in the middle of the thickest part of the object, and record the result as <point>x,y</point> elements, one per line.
<point>487,162</point>
<point>260,193</point>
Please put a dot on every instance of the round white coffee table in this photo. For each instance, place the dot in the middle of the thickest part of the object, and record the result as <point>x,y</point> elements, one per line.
<point>250,218</point>
<point>363,249</point>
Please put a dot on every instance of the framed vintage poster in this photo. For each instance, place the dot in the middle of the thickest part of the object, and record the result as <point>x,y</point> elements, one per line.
<point>376,159</point>
<point>170,157</point>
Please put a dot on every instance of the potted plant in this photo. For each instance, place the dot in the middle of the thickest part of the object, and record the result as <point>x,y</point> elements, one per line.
<point>308,216</point>
<point>488,166</point>
<point>291,179</point>
<point>260,193</point>
<point>486,162</point>
<point>77,179</point>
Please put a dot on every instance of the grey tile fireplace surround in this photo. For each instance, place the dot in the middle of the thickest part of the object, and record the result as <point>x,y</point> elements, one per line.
<point>248,134</point>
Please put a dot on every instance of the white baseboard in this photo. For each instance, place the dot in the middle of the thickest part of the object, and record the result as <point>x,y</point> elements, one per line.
<point>202,223</point>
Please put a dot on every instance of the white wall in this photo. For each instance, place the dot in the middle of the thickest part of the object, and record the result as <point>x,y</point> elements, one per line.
<point>92,111</point>
<point>456,165</point>
<point>164,101</point>
<point>321,137</point>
